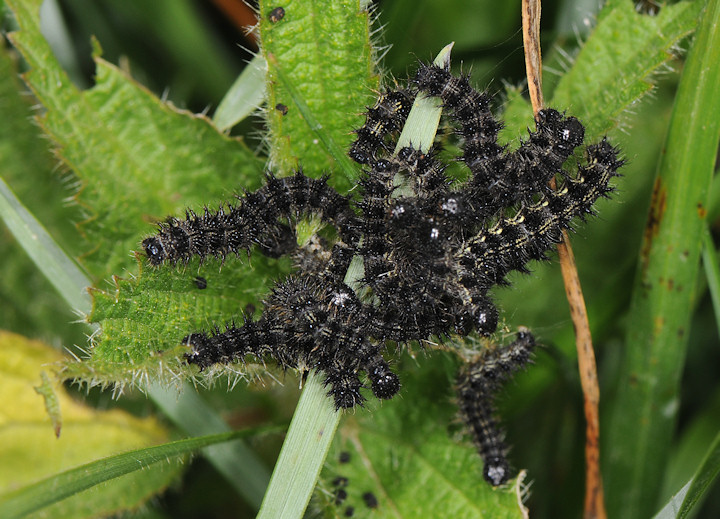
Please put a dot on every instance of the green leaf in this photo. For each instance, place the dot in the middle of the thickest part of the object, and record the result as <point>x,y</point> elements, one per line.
<point>616,64</point>
<point>30,450</point>
<point>137,159</point>
<point>52,404</point>
<point>643,418</point>
<point>323,50</point>
<point>683,503</point>
<point>144,320</point>
<point>345,165</point>
<point>410,454</point>
<point>703,479</point>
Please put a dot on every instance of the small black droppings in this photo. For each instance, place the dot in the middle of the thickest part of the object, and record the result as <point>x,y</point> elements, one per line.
<point>200,282</point>
<point>340,496</point>
<point>370,500</point>
<point>276,15</point>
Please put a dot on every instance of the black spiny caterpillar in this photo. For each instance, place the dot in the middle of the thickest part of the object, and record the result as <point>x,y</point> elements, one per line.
<point>431,252</point>
<point>477,384</point>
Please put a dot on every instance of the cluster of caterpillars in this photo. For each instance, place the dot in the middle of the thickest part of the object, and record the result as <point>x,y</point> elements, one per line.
<point>431,251</point>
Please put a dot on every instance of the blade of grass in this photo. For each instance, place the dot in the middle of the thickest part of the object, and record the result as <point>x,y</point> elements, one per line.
<point>303,453</point>
<point>244,470</point>
<point>424,117</point>
<point>235,461</point>
<point>691,494</point>
<point>703,479</point>
<point>711,263</point>
<point>672,507</point>
<point>644,413</point>
<point>55,488</point>
<point>245,95</point>
<point>59,269</point>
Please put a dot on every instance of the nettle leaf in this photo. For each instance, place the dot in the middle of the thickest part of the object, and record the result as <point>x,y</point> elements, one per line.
<point>409,453</point>
<point>323,49</point>
<point>143,320</point>
<point>616,65</point>
<point>614,70</point>
<point>31,451</point>
<point>136,158</point>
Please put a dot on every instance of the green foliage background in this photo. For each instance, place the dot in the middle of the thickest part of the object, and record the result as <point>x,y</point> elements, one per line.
<point>128,159</point>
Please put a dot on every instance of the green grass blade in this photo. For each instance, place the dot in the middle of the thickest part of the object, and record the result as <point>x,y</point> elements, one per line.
<point>244,96</point>
<point>56,488</point>
<point>711,263</point>
<point>643,419</point>
<point>303,453</point>
<point>236,461</point>
<point>672,507</point>
<point>683,503</point>
<point>58,268</point>
<point>424,117</point>
<point>703,479</point>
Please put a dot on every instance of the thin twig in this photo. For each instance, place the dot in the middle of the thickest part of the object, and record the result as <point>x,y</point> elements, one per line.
<point>533,55</point>
<point>594,498</point>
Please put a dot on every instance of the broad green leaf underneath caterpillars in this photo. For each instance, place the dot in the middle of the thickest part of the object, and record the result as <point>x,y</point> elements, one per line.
<point>412,454</point>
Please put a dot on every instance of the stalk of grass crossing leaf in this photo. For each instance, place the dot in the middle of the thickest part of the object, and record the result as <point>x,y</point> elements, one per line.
<point>303,453</point>
<point>64,274</point>
<point>645,410</point>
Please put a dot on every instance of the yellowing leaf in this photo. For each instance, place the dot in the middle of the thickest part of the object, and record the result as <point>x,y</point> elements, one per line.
<point>30,451</point>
